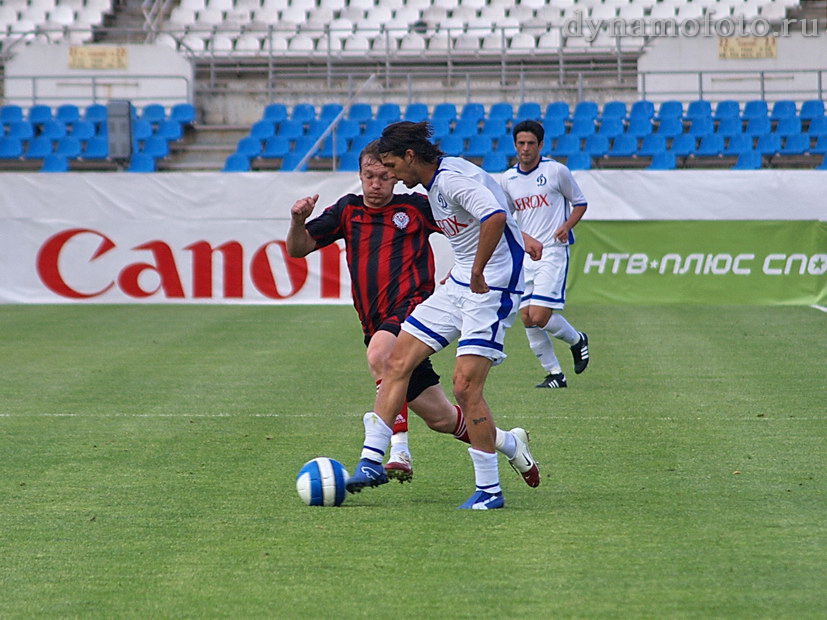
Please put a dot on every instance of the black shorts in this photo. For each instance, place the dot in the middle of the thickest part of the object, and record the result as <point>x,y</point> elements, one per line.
<point>422,377</point>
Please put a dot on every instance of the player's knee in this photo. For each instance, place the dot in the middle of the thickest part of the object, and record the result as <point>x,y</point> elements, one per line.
<point>539,316</point>
<point>466,391</point>
<point>376,362</point>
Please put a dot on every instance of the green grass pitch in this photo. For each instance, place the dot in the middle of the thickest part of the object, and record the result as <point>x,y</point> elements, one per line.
<point>149,456</point>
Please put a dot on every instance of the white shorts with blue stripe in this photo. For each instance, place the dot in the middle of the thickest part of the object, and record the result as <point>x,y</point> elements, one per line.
<point>545,279</point>
<point>478,320</point>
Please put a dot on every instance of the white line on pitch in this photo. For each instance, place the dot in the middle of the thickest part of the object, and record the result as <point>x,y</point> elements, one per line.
<point>817,307</point>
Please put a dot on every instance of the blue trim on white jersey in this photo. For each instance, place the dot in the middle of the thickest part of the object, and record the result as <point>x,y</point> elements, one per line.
<point>517,251</point>
<point>479,342</point>
<point>426,330</point>
<point>492,213</point>
<point>433,178</point>
<point>542,159</point>
<point>493,288</point>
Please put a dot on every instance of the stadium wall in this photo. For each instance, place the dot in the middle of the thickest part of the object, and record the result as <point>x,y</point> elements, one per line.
<point>724,237</point>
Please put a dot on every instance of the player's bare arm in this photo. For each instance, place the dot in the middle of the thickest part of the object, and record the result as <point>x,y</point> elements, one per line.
<point>532,247</point>
<point>299,241</point>
<point>562,233</point>
<point>491,230</point>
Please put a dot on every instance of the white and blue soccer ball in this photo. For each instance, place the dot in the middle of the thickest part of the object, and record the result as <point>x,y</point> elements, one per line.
<point>321,482</point>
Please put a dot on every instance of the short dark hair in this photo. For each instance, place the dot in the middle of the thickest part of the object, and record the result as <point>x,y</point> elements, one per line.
<point>399,137</point>
<point>371,150</point>
<point>531,127</point>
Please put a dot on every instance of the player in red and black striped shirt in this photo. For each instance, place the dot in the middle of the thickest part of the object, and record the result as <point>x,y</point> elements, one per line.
<point>392,270</point>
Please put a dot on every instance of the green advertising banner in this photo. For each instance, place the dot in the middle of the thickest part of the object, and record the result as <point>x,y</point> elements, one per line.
<point>699,262</point>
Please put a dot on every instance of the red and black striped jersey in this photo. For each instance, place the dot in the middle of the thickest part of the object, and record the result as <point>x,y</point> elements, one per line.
<point>388,255</point>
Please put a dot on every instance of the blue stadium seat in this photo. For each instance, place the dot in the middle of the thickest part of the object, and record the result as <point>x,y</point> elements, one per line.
<point>642,109</point>
<point>611,127</point>
<point>557,109</point>
<point>290,129</point>
<point>452,145</point>
<point>820,147</point>
<point>768,144</point>
<point>53,130</point>
<point>83,130</point>
<point>275,112</point>
<point>501,111</point>
<point>22,130</point>
<point>154,113</point>
<point>582,127</point>
<point>333,147</point>
<point>237,162</point>
<point>758,125</point>
<point>96,113</point>
<point>737,144</point>
<point>441,128</point>
<point>529,111</point>
<point>249,147</point>
<point>171,130</point>
<point>585,109</point>
<point>670,127</point>
<point>700,126</point>
<point>554,128</point>
<point>479,146</point>
<point>416,112</point>
<point>39,114</point>
<point>652,145</point>
<point>156,146</point>
<point>330,111</point>
<point>670,109</point>
<point>69,147</point>
<point>303,113</point>
<point>795,144</point>
<point>276,147</point>
<point>728,108</point>
<point>185,113</point>
<point>729,126</point>
<point>10,148</point>
<point>465,127</point>
<point>623,146</point>
<point>53,162</point>
<point>495,161</point>
<point>38,148</point>
<point>818,127</point>
<point>639,127</point>
<point>141,129</point>
<point>663,161</point>
<point>614,109</point>
<point>712,145</point>
<point>811,109</point>
<point>347,129</point>
<point>373,130</point>
<point>349,162</point>
<point>473,111</point>
<point>505,145</point>
<point>10,113</point>
<point>788,126</point>
<point>444,111</point>
<point>783,108</point>
<point>748,160</point>
<point>494,127</point>
<point>141,162</point>
<point>67,113</point>
<point>389,113</point>
<point>823,165</point>
<point>579,161</point>
<point>263,129</point>
<point>291,162</point>
<point>96,148</point>
<point>360,112</point>
<point>699,108</point>
<point>755,109</point>
<point>683,145</point>
<point>596,145</point>
<point>316,128</point>
<point>565,145</point>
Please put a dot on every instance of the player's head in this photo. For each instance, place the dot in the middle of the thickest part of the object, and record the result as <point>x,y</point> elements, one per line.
<point>528,140</point>
<point>377,180</point>
<point>404,147</point>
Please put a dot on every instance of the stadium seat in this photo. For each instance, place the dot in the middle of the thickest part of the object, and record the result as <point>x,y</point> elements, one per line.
<point>554,128</point>
<point>171,130</point>
<point>478,146</point>
<point>96,113</point>
<point>642,109</point>
<point>737,144</point>
<point>185,113</point>
<point>69,147</point>
<point>623,146</point>
<point>501,111</point>
<point>729,126</point>
<point>727,109</point>
<point>67,113</point>
<point>823,164</point>
<point>596,145</point>
<point>582,127</point>
<point>639,127</point>
<point>788,126</point>
<point>276,147</point>
<point>652,145</point>
<point>53,130</point>
<point>83,130</point>
<point>811,109</point>
<point>53,162</point>
<point>711,145</point>
<point>495,161</point>
<point>472,111</point>
<point>700,126</point>
<point>670,127</point>
<point>699,108</point>
<point>670,110</point>
<point>820,147</point>
<point>333,147</point>
<point>249,147</point>
<point>614,110</point>
<point>38,148</point>
<point>263,129</point>
<point>755,109</point>
<point>758,125</point>
<point>795,144</point>
<point>330,111</point>
<point>11,113</point>
<point>465,128</point>
<point>141,130</point>
<point>748,160</point>
<point>505,145</point>
<point>768,144</point>
<point>529,110</point>
<point>452,145</point>
<point>303,113</point>
<point>782,109</point>
<point>373,130</point>
<point>39,114</point>
<point>444,111</point>
<point>237,162</point>
<point>96,148</point>
<point>579,161</point>
<point>22,130</point>
<point>275,112</point>
<point>557,109</point>
<point>156,146</point>
<point>291,162</point>
<point>565,145</point>
<point>416,112</point>
<point>585,110</point>
<point>154,113</point>
<point>683,145</point>
<point>611,127</point>
<point>290,129</point>
<point>388,113</point>
<point>441,128</point>
<point>818,127</point>
<point>494,127</point>
<point>10,148</point>
<point>663,161</point>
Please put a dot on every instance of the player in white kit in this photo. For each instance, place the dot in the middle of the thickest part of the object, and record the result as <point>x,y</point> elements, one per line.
<point>475,306</point>
<point>547,203</point>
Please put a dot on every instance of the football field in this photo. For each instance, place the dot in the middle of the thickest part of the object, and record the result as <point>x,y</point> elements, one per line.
<point>149,456</point>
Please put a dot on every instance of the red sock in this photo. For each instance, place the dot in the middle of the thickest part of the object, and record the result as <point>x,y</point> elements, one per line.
<point>461,432</point>
<point>400,424</point>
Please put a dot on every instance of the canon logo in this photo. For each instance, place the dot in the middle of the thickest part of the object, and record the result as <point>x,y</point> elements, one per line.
<point>127,277</point>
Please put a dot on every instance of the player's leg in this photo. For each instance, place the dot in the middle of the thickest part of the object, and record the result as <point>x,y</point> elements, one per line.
<point>542,345</point>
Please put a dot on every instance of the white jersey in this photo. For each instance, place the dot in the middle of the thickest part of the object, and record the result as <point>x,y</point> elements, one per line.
<point>541,199</point>
<point>462,195</point>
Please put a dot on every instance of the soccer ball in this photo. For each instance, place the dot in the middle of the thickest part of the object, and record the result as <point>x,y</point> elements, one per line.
<point>321,482</point>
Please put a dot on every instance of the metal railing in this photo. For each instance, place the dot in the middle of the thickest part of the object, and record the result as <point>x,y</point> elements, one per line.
<point>93,89</point>
<point>742,85</point>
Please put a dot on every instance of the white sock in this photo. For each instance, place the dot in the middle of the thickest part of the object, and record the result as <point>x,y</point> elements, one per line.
<point>560,328</point>
<point>399,443</point>
<point>542,346</point>
<point>506,443</point>
<point>377,436</point>
<point>486,471</point>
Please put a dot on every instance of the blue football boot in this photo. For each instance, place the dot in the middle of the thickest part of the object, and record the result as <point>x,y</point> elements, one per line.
<point>367,474</point>
<point>484,501</point>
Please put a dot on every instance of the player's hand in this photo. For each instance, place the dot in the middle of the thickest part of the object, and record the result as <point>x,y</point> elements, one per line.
<point>562,234</point>
<point>445,279</point>
<point>478,284</point>
<point>533,248</point>
<point>303,207</point>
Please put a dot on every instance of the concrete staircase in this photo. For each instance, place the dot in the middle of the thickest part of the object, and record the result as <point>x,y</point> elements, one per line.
<point>204,148</point>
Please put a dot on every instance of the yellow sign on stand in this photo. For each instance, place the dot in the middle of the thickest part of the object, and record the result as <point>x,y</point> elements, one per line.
<point>747,47</point>
<point>98,57</point>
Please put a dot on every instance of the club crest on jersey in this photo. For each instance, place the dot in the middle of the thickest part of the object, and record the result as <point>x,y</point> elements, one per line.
<point>401,220</point>
<point>541,180</point>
